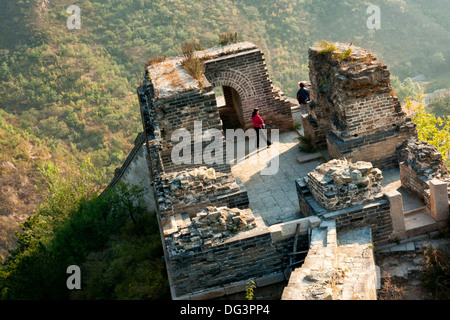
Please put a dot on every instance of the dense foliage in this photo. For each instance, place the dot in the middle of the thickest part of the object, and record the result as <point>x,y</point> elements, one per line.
<point>112,238</point>
<point>433,129</point>
<point>406,89</point>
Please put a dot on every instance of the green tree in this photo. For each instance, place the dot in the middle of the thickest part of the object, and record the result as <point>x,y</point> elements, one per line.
<point>112,237</point>
<point>434,130</point>
<point>406,89</point>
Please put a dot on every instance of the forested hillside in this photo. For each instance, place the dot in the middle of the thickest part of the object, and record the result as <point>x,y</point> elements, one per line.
<point>68,95</point>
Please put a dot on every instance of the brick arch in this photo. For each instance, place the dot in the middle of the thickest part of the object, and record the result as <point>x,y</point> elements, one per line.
<point>234,79</point>
<point>243,86</point>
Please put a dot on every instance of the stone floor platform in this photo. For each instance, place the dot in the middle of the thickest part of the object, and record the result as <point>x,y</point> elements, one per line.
<point>339,266</point>
<point>273,197</point>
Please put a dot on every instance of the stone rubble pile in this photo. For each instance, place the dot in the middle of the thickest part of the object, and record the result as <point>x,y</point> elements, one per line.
<point>210,226</point>
<point>339,183</point>
<point>424,158</point>
<point>186,188</point>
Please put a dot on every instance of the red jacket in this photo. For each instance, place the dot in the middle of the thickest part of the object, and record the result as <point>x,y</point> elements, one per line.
<point>257,121</point>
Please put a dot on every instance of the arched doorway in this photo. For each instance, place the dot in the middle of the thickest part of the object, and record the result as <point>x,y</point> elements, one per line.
<point>230,108</point>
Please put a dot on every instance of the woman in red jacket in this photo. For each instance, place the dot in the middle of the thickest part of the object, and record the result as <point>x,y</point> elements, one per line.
<point>258,124</point>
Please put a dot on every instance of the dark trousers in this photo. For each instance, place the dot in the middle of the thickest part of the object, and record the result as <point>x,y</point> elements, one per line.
<point>258,132</point>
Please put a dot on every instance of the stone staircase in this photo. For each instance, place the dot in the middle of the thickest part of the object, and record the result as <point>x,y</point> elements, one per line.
<point>337,267</point>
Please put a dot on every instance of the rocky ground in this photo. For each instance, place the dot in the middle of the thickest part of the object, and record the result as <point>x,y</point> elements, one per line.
<point>401,270</point>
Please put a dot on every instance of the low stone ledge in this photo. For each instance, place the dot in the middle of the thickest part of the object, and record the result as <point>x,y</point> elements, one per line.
<point>287,229</point>
<point>233,288</point>
<point>203,295</point>
<point>270,279</point>
<point>356,208</point>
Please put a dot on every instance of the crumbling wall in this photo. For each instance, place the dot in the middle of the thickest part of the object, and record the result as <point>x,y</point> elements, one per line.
<point>350,194</point>
<point>338,184</point>
<point>188,191</point>
<point>420,163</point>
<point>352,95</point>
<point>355,113</point>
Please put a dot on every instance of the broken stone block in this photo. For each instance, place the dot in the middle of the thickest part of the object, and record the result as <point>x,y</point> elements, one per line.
<point>210,226</point>
<point>340,183</point>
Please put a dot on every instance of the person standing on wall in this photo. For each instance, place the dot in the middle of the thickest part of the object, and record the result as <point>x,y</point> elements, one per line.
<point>303,97</point>
<point>258,124</point>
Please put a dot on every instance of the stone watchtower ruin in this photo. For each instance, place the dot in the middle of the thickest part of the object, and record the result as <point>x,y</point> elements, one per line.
<point>355,113</point>
<point>213,243</point>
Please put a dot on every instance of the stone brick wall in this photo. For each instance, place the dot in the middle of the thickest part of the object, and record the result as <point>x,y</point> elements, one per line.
<point>181,112</point>
<point>246,72</point>
<point>417,185</point>
<point>338,184</point>
<point>375,214</point>
<point>231,262</point>
<point>317,133</point>
<point>420,163</point>
<point>135,171</point>
<point>349,92</point>
<point>367,116</point>
<point>379,149</point>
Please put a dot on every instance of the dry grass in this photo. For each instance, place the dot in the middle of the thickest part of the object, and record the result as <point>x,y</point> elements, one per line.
<point>389,290</point>
<point>192,64</point>
<point>227,38</point>
<point>172,76</point>
<point>154,60</point>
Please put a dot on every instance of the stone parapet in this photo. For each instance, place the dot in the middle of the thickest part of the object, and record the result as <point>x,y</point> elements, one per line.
<point>380,148</point>
<point>420,163</point>
<point>225,266</point>
<point>338,184</point>
<point>375,213</point>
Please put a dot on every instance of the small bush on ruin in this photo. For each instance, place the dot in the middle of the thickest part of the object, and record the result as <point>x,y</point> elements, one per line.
<point>250,290</point>
<point>436,275</point>
<point>326,47</point>
<point>192,64</point>
<point>227,38</point>
<point>297,126</point>
<point>346,55</point>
